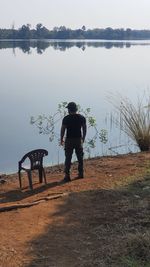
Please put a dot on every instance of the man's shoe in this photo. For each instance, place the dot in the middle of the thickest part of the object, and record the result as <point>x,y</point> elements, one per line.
<point>80,176</point>
<point>65,180</point>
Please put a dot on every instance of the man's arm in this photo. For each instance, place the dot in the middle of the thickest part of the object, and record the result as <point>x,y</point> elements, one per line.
<point>84,130</point>
<point>62,133</point>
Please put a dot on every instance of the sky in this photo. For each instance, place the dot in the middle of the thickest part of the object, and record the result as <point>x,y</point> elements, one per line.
<point>74,14</point>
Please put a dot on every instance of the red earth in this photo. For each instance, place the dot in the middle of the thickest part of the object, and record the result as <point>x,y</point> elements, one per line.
<point>95,221</point>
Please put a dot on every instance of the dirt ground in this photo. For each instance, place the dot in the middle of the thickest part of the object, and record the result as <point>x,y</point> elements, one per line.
<point>101,220</point>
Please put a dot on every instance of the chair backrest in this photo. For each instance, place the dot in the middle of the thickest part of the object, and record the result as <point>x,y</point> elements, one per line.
<point>36,158</point>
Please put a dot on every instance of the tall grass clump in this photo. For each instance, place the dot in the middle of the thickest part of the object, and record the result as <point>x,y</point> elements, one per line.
<point>134,120</point>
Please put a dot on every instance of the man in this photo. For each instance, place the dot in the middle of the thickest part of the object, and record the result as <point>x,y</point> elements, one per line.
<point>74,126</point>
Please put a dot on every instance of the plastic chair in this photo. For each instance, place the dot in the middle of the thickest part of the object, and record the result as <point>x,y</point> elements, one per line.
<point>36,163</point>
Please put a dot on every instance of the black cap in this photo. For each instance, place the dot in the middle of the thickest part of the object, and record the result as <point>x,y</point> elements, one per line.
<point>72,106</point>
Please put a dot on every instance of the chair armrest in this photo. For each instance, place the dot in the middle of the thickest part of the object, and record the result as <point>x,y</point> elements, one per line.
<point>20,163</point>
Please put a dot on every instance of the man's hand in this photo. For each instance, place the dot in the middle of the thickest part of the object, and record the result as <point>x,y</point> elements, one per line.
<point>82,141</point>
<point>61,142</point>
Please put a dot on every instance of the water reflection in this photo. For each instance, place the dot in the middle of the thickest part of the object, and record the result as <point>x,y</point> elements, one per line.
<point>40,46</point>
<point>25,46</point>
<point>36,84</point>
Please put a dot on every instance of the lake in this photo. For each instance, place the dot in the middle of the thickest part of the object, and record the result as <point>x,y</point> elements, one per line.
<point>35,76</point>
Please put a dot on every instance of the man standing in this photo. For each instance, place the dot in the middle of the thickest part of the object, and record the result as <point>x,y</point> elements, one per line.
<point>74,126</point>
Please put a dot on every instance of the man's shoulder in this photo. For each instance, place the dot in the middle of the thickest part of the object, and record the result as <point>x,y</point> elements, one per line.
<point>66,118</point>
<point>82,117</point>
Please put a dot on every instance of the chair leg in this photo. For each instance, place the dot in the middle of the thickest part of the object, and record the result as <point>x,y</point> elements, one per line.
<point>40,175</point>
<point>30,180</point>
<point>44,175</point>
<point>20,182</point>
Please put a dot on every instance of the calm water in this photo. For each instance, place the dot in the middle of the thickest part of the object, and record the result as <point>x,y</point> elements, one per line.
<point>36,76</point>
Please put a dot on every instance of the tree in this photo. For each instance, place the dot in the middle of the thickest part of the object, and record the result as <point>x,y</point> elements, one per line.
<point>24,32</point>
<point>41,31</point>
<point>83,28</point>
<point>47,125</point>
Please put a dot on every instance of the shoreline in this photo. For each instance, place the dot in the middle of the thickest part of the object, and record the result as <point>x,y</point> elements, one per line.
<point>59,167</point>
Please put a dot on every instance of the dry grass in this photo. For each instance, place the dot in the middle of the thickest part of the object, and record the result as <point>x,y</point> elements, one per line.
<point>134,120</point>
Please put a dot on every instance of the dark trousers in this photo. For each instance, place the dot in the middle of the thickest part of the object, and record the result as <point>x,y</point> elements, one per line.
<point>70,145</point>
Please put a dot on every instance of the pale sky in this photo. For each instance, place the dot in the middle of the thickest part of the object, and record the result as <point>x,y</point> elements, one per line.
<point>73,14</point>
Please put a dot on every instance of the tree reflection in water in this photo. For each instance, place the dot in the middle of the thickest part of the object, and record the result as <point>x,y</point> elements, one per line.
<point>41,45</point>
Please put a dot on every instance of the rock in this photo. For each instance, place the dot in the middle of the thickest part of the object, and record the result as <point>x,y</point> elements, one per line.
<point>2,176</point>
<point>137,196</point>
<point>146,188</point>
<point>2,181</point>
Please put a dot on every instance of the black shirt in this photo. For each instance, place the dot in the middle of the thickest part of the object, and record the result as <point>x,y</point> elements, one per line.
<point>73,123</point>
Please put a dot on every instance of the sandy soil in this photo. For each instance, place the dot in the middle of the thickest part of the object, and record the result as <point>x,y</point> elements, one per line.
<point>103,220</point>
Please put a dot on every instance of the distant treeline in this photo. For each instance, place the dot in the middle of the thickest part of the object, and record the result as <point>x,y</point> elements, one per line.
<point>41,32</point>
